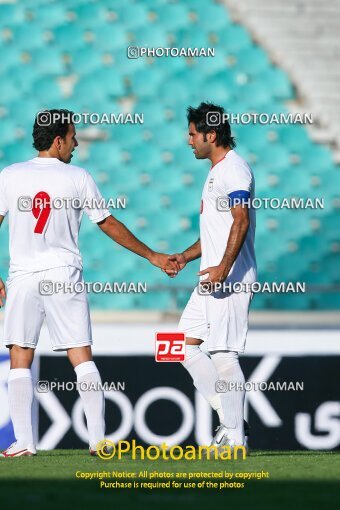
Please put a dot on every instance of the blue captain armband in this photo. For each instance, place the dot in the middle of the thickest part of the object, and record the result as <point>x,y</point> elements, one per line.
<point>240,197</point>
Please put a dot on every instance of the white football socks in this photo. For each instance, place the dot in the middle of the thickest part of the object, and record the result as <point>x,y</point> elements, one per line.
<point>204,374</point>
<point>93,401</point>
<point>232,400</point>
<point>221,366</point>
<point>20,398</point>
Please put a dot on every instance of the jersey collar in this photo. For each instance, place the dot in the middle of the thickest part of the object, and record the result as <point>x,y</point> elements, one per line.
<point>219,161</point>
<point>45,161</point>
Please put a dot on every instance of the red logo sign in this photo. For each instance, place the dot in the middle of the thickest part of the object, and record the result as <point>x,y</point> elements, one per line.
<point>170,347</point>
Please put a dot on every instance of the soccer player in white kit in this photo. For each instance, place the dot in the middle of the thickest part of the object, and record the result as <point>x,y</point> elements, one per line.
<point>219,317</point>
<point>44,247</point>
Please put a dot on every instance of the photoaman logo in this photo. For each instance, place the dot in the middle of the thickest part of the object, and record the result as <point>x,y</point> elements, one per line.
<point>170,347</point>
<point>107,449</point>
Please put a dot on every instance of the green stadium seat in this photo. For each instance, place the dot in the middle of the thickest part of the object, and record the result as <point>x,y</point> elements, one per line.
<point>90,13</point>
<point>153,110</point>
<point>312,247</point>
<point>152,298</point>
<point>144,82</point>
<point>252,61</point>
<point>179,242</point>
<point>218,92</point>
<point>103,156</point>
<point>211,65</point>
<point>190,37</point>
<point>275,157</point>
<point>328,301</point>
<point>292,266</point>
<point>166,178</point>
<point>48,60</point>
<point>173,135</point>
<point>124,180</point>
<point>144,201</point>
<point>49,15</point>
<point>10,56</point>
<point>186,200</point>
<point>151,36</point>
<point>330,225</point>
<point>114,301</point>
<point>11,14</point>
<point>15,152</point>
<point>49,90</point>
<point>213,18</point>
<point>68,36</point>
<point>187,74</point>
<point>110,37</point>
<point>9,131</point>
<point>168,67</point>
<point>254,95</point>
<point>253,136</point>
<point>294,137</point>
<point>28,37</point>
<point>296,181</point>
<point>183,156</point>
<point>86,60</point>
<point>330,266</point>
<point>152,155</point>
<point>8,91</point>
<point>130,15</point>
<point>233,38</point>
<point>105,83</point>
<point>164,222</point>
<point>121,134</point>
<point>318,277</point>
<point>317,157</point>
<point>292,301</point>
<point>125,65</point>
<point>23,76</point>
<point>174,90</point>
<point>278,82</point>
<point>171,16</point>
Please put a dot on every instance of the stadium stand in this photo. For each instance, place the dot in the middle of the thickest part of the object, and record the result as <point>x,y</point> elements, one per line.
<point>302,36</point>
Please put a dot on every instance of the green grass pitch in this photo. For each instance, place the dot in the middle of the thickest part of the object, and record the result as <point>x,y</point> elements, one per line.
<point>302,479</point>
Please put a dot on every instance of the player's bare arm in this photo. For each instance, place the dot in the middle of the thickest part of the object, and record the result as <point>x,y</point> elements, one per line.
<point>118,232</point>
<point>236,239</point>
<point>188,255</point>
<point>2,285</point>
<point>193,252</point>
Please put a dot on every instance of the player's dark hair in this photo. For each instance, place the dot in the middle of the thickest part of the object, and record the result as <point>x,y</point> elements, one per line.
<point>200,117</point>
<point>49,124</point>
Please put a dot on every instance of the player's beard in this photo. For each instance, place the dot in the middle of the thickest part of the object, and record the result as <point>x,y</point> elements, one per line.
<point>199,155</point>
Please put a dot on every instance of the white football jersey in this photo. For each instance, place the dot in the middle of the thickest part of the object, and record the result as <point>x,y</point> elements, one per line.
<point>43,230</point>
<point>230,174</point>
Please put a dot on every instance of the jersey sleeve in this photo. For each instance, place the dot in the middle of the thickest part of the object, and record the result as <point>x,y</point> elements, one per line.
<point>3,198</point>
<point>237,184</point>
<point>239,178</point>
<point>93,200</point>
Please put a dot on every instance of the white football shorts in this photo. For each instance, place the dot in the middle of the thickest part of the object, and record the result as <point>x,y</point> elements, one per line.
<point>219,319</point>
<point>29,302</point>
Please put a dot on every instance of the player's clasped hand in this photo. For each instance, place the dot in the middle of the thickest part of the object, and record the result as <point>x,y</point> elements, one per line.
<point>2,293</point>
<point>165,263</point>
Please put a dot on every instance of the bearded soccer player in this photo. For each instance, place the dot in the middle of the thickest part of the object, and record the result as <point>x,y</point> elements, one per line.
<point>44,247</point>
<point>226,247</point>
